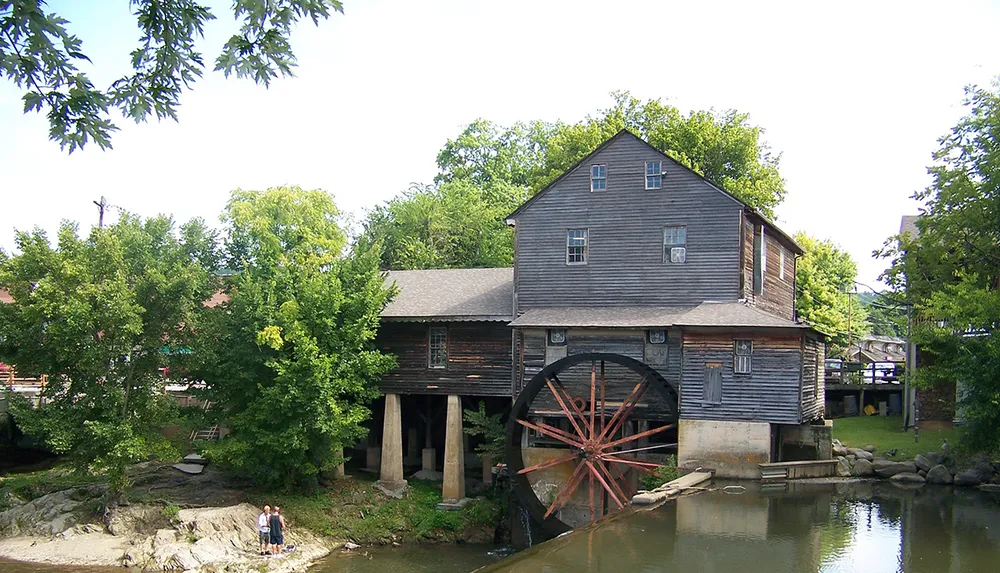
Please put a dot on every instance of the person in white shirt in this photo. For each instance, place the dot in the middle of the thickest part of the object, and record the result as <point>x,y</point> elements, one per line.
<point>264,529</point>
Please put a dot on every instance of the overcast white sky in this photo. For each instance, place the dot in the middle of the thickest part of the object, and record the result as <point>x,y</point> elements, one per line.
<point>853,95</point>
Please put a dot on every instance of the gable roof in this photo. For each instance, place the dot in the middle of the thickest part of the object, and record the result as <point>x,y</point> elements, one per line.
<point>451,295</point>
<point>510,218</point>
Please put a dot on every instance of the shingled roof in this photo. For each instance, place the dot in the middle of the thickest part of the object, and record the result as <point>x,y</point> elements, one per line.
<point>451,295</point>
<point>725,314</point>
<point>909,225</point>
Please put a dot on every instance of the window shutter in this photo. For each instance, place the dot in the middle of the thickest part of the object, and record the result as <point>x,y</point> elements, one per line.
<point>712,392</point>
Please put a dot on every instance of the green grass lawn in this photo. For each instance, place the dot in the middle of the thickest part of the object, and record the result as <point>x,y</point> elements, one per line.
<point>886,433</point>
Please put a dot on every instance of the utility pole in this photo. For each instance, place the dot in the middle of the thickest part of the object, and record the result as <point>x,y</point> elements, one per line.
<point>101,206</point>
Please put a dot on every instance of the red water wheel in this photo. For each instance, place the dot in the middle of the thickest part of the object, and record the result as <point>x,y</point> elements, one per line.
<point>580,430</point>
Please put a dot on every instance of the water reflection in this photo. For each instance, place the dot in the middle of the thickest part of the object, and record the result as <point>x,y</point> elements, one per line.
<point>872,527</point>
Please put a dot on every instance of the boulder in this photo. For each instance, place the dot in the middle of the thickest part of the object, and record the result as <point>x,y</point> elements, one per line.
<point>968,478</point>
<point>922,462</point>
<point>990,487</point>
<point>870,448</point>
<point>939,474</point>
<point>839,449</point>
<point>922,474</point>
<point>862,454</point>
<point>985,470</point>
<point>934,458</point>
<point>191,469</point>
<point>843,467</point>
<point>863,468</point>
<point>907,477</point>
<point>885,468</point>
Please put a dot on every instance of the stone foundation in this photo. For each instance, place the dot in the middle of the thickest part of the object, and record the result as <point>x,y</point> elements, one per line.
<point>732,449</point>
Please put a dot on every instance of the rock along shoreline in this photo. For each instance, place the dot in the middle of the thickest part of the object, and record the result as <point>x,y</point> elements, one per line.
<point>929,468</point>
<point>210,539</point>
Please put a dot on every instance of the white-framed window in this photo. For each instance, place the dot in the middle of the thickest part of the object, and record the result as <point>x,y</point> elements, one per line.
<point>657,336</point>
<point>437,347</point>
<point>576,246</point>
<point>742,356</point>
<point>675,244</point>
<point>598,177</point>
<point>557,337</point>
<point>781,262</point>
<point>654,174</point>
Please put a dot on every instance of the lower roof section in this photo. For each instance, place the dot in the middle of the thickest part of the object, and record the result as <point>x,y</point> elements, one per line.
<point>709,314</point>
<point>449,295</point>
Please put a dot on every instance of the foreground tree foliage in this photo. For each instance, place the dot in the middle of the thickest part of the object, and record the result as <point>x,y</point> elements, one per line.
<point>950,273</point>
<point>824,279</point>
<point>289,361</point>
<point>38,53</point>
<point>99,317</point>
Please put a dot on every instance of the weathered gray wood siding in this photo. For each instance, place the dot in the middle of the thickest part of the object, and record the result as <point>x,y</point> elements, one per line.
<point>769,394</point>
<point>625,226</point>
<point>813,383</point>
<point>479,359</point>
<point>619,381</point>
<point>778,297</point>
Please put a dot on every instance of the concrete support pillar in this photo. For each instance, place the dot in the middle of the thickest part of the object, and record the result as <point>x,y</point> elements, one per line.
<point>453,489</point>
<point>338,472</point>
<point>428,457</point>
<point>373,458</point>
<point>487,470</point>
<point>391,474</point>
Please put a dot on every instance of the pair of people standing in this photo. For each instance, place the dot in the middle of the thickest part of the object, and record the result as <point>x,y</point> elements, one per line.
<point>271,526</point>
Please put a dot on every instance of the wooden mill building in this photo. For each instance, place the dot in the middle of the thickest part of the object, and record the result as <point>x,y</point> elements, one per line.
<point>631,253</point>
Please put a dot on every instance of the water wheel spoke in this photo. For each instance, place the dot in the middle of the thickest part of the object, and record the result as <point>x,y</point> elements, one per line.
<point>593,391</point>
<point>642,466</point>
<point>567,491</point>
<point>566,410</point>
<point>607,488</point>
<point>633,437</point>
<point>625,409</point>
<point>552,432</point>
<point>577,409</point>
<point>604,386</point>
<point>621,479</point>
<point>611,479</point>
<point>630,461</point>
<point>548,464</point>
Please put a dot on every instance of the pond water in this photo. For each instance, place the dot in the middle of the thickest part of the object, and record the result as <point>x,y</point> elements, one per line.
<point>870,527</point>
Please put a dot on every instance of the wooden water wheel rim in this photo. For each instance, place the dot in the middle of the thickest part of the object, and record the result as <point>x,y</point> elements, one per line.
<point>590,439</point>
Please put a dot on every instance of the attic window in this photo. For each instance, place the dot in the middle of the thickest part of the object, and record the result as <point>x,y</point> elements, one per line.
<point>598,177</point>
<point>654,175</point>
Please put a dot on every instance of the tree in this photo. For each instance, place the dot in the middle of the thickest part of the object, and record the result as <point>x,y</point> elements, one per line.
<point>289,362</point>
<point>722,146</point>
<point>950,272</point>
<point>885,315</point>
<point>455,224</point>
<point>824,279</point>
<point>98,317</point>
<point>39,54</point>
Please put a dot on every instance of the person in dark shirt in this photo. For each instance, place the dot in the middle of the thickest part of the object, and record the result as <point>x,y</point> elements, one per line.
<point>277,534</point>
